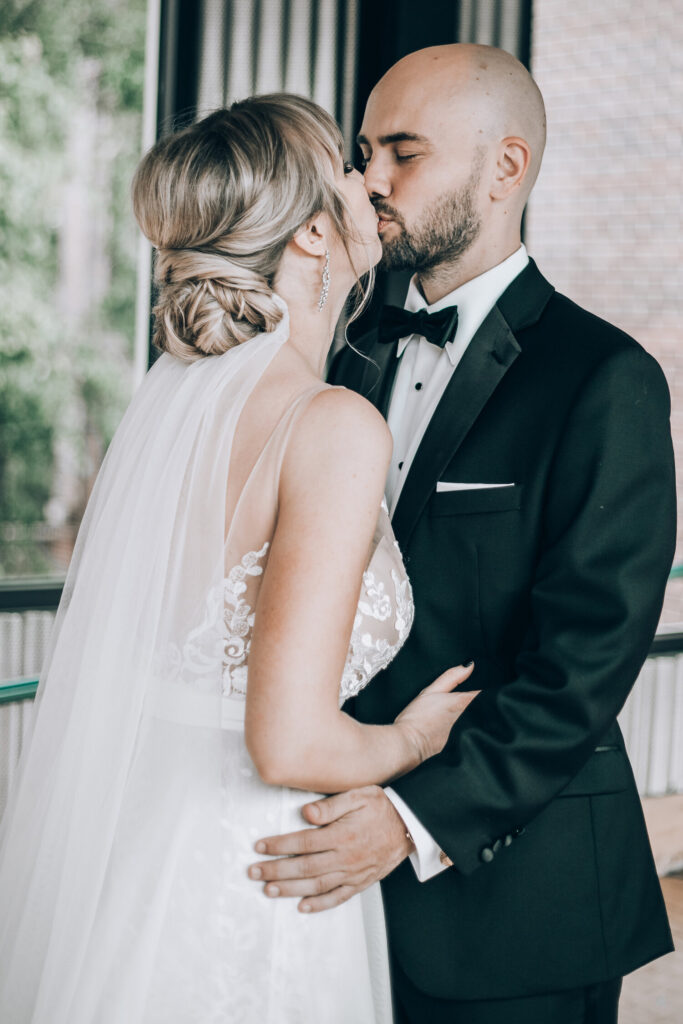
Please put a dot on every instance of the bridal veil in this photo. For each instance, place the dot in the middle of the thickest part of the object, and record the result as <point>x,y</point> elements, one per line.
<point>140,649</point>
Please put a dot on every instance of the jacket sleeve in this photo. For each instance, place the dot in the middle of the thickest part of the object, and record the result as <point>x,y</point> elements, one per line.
<point>607,544</point>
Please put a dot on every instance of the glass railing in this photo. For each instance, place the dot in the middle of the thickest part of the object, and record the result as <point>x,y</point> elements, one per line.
<point>18,689</point>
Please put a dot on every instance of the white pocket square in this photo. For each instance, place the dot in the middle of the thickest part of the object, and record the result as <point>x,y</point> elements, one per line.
<point>446,485</point>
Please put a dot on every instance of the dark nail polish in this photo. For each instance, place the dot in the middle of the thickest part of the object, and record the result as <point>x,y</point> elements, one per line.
<point>468,663</point>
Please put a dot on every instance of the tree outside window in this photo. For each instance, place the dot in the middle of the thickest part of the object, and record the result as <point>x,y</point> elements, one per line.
<point>71,81</point>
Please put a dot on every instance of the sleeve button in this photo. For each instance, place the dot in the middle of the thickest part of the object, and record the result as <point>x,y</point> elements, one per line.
<point>498,845</point>
<point>487,855</point>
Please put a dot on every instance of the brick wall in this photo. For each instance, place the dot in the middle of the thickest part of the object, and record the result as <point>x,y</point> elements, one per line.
<point>605,222</point>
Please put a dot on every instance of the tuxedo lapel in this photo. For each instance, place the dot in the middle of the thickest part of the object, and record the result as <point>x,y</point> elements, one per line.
<point>489,355</point>
<point>379,374</point>
<point>387,383</point>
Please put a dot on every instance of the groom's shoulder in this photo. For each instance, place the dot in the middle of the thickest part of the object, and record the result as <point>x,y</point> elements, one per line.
<point>586,337</point>
<point>337,430</point>
<point>575,321</point>
<point>589,352</point>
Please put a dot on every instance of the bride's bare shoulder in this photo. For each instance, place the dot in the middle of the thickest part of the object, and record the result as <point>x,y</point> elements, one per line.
<point>337,409</point>
<point>339,437</point>
<point>347,424</point>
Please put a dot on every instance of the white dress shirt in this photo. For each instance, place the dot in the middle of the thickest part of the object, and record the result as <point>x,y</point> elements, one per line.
<point>421,379</point>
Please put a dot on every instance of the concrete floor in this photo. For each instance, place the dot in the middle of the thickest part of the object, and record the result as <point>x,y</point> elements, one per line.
<point>654,994</point>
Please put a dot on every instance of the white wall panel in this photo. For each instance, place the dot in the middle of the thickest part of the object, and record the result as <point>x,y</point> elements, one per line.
<point>212,69</point>
<point>298,59</point>
<point>269,70</point>
<point>239,59</point>
<point>260,46</point>
<point>652,723</point>
<point>15,725</point>
<point>325,62</point>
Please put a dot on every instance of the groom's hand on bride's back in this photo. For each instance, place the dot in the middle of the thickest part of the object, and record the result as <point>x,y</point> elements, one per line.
<point>360,838</point>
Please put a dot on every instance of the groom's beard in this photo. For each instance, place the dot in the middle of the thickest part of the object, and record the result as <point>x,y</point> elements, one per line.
<point>447,228</point>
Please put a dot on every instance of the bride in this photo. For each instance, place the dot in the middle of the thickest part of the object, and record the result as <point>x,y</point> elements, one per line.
<point>234,535</point>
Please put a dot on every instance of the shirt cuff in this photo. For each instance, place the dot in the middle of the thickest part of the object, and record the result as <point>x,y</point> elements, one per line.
<point>427,857</point>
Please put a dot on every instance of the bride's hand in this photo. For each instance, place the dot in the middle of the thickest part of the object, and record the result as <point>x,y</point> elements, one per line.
<point>429,718</point>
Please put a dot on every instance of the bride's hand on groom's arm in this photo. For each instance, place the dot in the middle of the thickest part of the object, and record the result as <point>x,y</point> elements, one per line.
<point>359,838</point>
<point>428,719</point>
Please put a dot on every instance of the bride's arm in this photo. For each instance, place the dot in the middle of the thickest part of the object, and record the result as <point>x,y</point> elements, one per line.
<point>330,490</point>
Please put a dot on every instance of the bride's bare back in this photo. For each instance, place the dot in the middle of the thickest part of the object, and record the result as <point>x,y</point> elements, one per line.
<point>315,581</point>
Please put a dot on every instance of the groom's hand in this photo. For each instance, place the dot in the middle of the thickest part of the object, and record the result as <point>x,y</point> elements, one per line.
<point>360,838</point>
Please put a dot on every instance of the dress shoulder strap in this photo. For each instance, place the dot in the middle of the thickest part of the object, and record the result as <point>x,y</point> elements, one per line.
<point>252,521</point>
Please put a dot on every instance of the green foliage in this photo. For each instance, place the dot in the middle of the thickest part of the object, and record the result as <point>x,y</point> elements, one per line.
<point>62,378</point>
<point>23,420</point>
<point>110,31</point>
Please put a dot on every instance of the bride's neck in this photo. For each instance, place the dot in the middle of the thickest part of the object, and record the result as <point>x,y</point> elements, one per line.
<point>310,330</point>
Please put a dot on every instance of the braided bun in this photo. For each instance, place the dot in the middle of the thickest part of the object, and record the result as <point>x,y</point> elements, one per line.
<point>208,303</point>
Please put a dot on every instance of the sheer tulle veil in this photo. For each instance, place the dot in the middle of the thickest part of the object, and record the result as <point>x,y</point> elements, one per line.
<point>150,554</point>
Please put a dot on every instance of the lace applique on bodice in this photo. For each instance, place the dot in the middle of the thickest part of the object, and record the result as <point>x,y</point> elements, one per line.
<point>384,615</point>
<point>239,622</point>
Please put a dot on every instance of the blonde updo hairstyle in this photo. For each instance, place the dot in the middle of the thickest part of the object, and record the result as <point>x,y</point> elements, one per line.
<point>220,200</point>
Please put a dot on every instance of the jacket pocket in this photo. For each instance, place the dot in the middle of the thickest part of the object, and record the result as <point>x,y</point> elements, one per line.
<point>477,501</point>
<point>607,770</point>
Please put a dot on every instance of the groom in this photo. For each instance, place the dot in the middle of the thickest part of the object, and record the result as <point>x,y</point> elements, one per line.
<point>532,492</point>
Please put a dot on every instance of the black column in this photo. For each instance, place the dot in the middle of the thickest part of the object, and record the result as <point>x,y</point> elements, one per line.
<point>178,64</point>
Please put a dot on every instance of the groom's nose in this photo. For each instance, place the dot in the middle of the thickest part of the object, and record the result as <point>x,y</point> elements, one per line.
<point>377,179</point>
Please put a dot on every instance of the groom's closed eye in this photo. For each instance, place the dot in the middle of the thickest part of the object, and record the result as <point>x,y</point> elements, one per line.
<point>406,146</point>
<point>399,157</point>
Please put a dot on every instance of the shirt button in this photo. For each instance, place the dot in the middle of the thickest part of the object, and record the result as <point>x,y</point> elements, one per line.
<point>418,386</point>
<point>400,465</point>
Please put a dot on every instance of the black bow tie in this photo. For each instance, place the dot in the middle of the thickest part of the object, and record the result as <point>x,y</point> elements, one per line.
<point>435,327</point>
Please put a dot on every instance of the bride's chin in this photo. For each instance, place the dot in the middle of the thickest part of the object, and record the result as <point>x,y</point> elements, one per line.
<point>374,252</point>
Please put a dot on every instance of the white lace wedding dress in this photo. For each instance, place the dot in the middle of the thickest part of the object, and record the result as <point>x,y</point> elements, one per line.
<point>145,913</point>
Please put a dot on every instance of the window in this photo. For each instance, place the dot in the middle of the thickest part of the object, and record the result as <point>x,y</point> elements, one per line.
<point>71,86</point>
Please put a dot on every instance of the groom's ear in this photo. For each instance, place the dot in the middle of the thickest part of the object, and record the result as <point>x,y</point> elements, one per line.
<point>512,164</point>
<point>311,238</point>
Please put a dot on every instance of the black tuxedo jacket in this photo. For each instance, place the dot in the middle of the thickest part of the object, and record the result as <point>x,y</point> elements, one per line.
<point>554,586</point>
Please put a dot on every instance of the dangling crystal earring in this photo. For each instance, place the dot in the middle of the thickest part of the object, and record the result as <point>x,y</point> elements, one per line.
<point>326,282</point>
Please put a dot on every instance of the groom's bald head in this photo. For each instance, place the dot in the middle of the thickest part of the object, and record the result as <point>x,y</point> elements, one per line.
<point>463,83</point>
<point>452,140</point>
